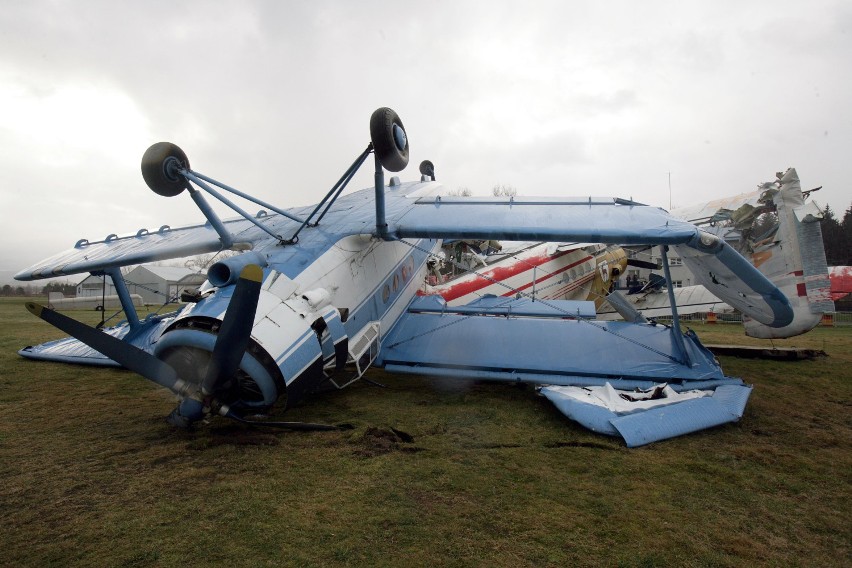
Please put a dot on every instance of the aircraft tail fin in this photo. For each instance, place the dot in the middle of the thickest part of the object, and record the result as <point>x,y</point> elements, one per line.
<point>779,232</point>
<point>783,239</point>
<point>814,265</point>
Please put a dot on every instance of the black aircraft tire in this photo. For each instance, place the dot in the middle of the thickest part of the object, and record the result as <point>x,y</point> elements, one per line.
<point>385,125</point>
<point>427,168</point>
<point>156,164</point>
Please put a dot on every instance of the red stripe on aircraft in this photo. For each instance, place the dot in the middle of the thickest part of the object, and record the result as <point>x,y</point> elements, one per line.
<point>543,278</point>
<point>559,292</point>
<point>501,274</point>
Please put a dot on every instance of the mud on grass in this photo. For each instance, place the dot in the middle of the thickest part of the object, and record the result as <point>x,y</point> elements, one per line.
<point>434,472</point>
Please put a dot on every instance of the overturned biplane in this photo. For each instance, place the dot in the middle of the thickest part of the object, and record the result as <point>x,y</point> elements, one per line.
<point>321,293</point>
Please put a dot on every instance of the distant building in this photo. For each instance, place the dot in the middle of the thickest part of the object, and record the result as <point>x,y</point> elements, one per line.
<point>156,284</point>
<point>94,286</point>
<point>681,275</point>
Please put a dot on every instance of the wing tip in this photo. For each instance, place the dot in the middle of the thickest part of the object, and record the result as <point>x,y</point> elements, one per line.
<point>34,308</point>
<point>252,272</point>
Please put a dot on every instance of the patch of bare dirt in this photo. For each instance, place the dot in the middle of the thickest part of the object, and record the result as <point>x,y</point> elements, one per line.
<point>378,441</point>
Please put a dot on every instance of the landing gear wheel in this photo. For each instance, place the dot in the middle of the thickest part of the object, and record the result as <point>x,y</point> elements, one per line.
<point>427,168</point>
<point>159,169</point>
<point>389,139</point>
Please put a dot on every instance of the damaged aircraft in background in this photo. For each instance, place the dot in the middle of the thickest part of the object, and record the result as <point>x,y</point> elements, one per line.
<point>321,293</point>
<point>778,229</point>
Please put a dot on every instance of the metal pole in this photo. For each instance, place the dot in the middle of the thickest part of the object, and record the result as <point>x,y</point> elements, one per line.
<point>670,191</point>
<point>533,291</point>
<point>224,235</point>
<point>347,177</point>
<point>245,214</point>
<point>123,296</point>
<point>381,224</point>
<point>676,332</point>
<point>244,195</point>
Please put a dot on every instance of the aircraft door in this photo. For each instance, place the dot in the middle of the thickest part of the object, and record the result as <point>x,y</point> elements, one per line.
<point>333,340</point>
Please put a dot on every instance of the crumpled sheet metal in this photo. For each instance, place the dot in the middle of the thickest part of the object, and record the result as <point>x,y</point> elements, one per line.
<point>645,425</point>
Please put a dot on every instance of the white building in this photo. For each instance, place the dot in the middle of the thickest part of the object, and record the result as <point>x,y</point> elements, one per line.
<point>156,284</point>
<point>681,275</point>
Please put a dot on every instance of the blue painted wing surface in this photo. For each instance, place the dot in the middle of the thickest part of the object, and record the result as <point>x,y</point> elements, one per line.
<point>659,422</point>
<point>595,418</point>
<point>532,344</point>
<point>548,343</point>
<point>597,220</point>
<point>71,350</point>
<point>143,247</point>
<point>490,305</point>
<point>123,251</point>
<point>726,405</point>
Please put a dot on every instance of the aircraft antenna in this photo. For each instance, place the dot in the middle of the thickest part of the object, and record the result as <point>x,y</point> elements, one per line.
<point>670,191</point>
<point>103,301</point>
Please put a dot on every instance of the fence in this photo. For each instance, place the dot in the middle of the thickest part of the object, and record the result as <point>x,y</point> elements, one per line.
<point>837,319</point>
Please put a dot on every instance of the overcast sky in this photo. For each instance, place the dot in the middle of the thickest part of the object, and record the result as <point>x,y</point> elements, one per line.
<point>274,98</point>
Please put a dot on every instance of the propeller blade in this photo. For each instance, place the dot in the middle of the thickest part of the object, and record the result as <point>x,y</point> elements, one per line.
<point>123,353</point>
<point>233,338</point>
<point>642,264</point>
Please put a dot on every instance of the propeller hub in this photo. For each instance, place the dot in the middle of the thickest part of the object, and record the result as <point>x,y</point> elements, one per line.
<point>189,347</point>
<point>188,411</point>
<point>399,137</point>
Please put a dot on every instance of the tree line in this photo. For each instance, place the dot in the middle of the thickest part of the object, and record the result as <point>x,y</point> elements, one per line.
<point>837,237</point>
<point>66,288</point>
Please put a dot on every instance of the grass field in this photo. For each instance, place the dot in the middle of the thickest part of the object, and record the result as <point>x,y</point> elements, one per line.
<point>92,475</point>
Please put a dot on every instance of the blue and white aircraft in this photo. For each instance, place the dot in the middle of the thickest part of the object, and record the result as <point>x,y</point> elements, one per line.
<point>319,294</point>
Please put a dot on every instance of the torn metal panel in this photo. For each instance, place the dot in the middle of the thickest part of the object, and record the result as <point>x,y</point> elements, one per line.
<point>607,410</point>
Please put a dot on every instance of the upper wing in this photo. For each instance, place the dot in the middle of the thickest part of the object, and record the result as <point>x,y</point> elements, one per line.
<point>598,220</point>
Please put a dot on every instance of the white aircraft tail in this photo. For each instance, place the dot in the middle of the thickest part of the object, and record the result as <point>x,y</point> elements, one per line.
<point>781,235</point>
